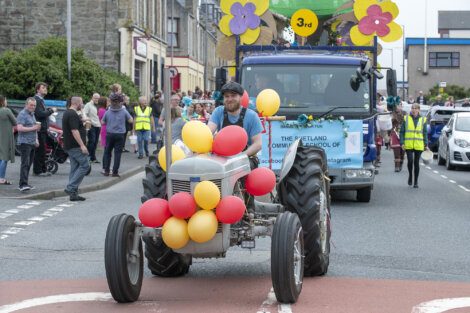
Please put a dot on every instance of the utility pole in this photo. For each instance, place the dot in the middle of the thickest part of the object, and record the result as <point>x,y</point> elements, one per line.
<point>403,64</point>
<point>69,39</point>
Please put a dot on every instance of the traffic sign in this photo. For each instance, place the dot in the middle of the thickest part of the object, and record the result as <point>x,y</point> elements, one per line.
<point>443,84</point>
<point>173,71</point>
<point>304,22</point>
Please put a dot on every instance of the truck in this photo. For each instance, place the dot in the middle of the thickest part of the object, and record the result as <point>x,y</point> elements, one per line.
<point>326,83</point>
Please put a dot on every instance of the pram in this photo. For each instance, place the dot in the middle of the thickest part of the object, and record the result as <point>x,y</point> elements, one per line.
<point>55,153</point>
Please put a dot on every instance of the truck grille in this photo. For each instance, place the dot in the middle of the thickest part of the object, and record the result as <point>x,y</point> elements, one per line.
<point>185,186</point>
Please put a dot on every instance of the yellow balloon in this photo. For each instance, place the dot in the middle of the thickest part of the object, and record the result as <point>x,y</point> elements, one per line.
<point>207,195</point>
<point>176,154</point>
<point>202,226</point>
<point>175,233</point>
<point>268,102</point>
<point>197,136</point>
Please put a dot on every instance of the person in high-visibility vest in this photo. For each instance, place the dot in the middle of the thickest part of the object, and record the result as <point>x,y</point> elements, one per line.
<point>144,123</point>
<point>414,140</point>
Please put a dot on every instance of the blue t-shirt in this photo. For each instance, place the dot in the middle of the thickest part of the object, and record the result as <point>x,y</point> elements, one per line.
<point>26,119</point>
<point>251,122</point>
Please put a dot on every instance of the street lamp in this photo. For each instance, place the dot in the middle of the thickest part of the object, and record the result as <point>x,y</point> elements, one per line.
<point>69,39</point>
<point>403,65</point>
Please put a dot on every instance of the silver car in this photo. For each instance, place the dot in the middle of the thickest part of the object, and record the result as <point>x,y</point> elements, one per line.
<point>454,142</point>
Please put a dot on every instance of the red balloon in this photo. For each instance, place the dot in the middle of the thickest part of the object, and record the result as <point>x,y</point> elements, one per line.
<point>245,101</point>
<point>154,212</point>
<point>260,181</point>
<point>230,210</point>
<point>230,140</point>
<point>182,205</point>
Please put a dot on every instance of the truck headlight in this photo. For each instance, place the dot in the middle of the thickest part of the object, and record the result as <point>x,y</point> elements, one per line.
<point>359,173</point>
<point>461,143</point>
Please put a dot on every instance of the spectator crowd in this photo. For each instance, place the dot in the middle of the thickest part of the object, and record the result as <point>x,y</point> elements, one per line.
<point>105,122</point>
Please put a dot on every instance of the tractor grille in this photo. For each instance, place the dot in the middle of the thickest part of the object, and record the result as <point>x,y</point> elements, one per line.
<point>185,186</point>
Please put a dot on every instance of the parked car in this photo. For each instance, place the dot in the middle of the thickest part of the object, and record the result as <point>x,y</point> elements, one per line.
<point>437,118</point>
<point>454,142</point>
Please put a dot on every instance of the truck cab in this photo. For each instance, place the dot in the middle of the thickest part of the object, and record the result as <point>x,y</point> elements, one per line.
<point>320,84</point>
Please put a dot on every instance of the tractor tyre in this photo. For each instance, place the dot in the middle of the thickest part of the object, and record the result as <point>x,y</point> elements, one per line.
<point>305,191</point>
<point>287,262</point>
<point>124,269</point>
<point>161,260</point>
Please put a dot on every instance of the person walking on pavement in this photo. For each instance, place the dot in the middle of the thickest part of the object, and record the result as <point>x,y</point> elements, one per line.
<point>7,140</point>
<point>28,130</point>
<point>144,124</point>
<point>466,103</point>
<point>103,104</point>
<point>115,120</point>
<point>74,144</point>
<point>438,101</point>
<point>42,115</point>
<point>91,112</point>
<point>157,105</point>
<point>414,139</point>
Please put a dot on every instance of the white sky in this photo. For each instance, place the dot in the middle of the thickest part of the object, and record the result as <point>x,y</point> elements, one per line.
<point>412,16</point>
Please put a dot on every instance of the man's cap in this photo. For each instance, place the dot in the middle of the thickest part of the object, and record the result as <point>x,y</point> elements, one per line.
<point>232,87</point>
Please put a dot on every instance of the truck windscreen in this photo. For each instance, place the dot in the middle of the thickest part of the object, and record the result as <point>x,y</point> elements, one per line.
<point>308,88</point>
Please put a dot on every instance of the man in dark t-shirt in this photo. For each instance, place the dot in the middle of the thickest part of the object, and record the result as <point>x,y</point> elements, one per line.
<point>75,145</point>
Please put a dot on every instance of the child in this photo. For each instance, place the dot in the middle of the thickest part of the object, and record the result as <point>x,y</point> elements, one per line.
<point>395,144</point>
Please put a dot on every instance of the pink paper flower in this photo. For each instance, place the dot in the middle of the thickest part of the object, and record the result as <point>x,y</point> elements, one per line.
<point>375,21</point>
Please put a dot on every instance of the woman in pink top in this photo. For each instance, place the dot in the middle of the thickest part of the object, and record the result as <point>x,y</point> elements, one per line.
<point>103,103</point>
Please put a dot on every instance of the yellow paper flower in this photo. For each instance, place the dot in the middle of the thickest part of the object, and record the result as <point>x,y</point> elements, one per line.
<point>375,19</point>
<point>242,18</point>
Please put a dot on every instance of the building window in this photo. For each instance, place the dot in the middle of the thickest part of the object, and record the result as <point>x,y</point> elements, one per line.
<point>173,32</point>
<point>444,59</point>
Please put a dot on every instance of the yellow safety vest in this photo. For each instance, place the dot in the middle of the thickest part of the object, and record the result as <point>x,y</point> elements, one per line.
<point>142,119</point>
<point>414,139</point>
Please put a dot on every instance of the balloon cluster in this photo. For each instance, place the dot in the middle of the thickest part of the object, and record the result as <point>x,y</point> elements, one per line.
<point>186,217</point>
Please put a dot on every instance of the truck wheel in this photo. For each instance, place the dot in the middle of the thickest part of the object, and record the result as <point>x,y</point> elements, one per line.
<point>161,259</point>
<point>124,269</point>
<point>363,195</point>
<point>304,191</point>
<point>287,262</point>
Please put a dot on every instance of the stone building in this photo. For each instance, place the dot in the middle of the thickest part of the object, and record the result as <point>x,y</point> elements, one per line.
<point>192,33</point>
<point>125,35</point>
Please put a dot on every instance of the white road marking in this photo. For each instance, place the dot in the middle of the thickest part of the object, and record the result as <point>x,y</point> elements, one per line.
<point>25,223</point>
<point>3,237</point>
<point>24,206</point>
<point>49,213</point>
<point>284,308</point>
<point>12,231</point>
<point>428,167</point>
<point>463,187</point>
<point>56,209</point>
<point>14,211</point>
<point>65,205</point>
<point>73,297</point>
<point>34,203</point>
<point>37,218</point>
<point>435,172</point>
<point>5,215</point>
<point>452,181</point>
<point>444,176</point>
<point>440,305</point>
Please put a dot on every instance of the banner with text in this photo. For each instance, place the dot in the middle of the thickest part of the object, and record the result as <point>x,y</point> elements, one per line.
<point>341,151</point>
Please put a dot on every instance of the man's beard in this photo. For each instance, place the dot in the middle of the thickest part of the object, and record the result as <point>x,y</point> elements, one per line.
<point>232,107</point>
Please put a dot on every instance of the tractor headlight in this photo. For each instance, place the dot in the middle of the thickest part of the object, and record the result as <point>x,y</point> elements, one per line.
<point>461,143</point>
<point>359,173</point>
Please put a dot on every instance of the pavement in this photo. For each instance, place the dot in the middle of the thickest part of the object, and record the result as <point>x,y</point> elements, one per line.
<point>47,188</point>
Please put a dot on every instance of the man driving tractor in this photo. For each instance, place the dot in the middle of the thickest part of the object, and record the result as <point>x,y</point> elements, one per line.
<point>232,113</point>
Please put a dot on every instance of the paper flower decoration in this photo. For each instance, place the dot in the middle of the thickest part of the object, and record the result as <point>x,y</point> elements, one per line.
<point>242,18</point>
<point>375,19</point>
